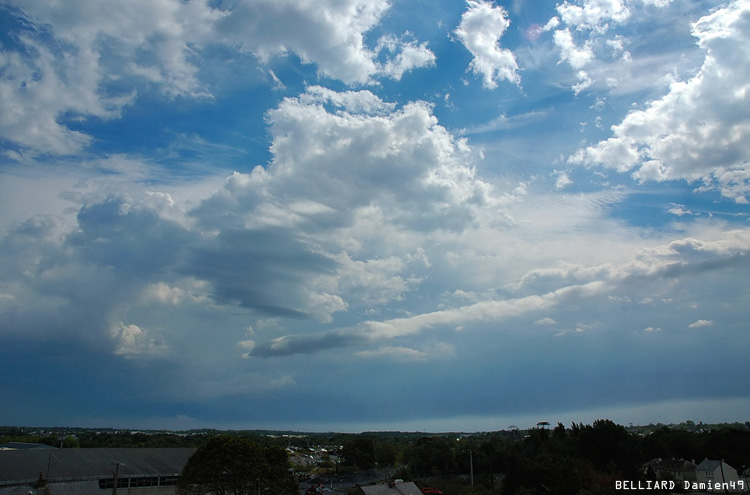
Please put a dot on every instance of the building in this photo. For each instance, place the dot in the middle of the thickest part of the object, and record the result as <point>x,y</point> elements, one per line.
<point>717,477</point>
<point>136,471</point>
<point>671,469</point>
<point>397,487</point>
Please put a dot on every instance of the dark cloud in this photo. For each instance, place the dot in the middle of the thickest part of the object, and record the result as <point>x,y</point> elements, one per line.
<point>262,269</point>
<point>310,343</point>
<point>129,238</point>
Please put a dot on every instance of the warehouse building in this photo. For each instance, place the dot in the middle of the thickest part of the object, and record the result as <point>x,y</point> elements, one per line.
<point>135,471</point>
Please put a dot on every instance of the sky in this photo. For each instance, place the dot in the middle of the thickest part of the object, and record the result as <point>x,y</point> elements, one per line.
<point>352,215</point>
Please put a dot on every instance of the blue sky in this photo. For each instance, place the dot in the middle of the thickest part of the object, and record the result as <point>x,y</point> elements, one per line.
<point>351,215</point>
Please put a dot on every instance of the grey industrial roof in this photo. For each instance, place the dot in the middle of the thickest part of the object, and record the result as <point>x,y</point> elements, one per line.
<point>72,488</point>
<point>23,466</point>
<point>24,445</point>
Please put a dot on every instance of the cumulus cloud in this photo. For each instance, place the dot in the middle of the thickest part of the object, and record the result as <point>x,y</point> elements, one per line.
<point>297,240</point>
<point>480,30</point>
<point>596,15</point>
<point>406,56</point>
<point>372,233</point>
<point>368,155</point>
<point>587,43</point>
<point>330,34</point>
<point>700,130</point>
<point>679,210</point>
<point>354,165</point>
<point>545,321</point>
<point>185,291</point>
<point>37,90</point>
<point>701,323</point>
<point>132,340</point>
<point>93,46</point>
<point>576,56</point>
<point>593,14</point>
<point>102,57</point>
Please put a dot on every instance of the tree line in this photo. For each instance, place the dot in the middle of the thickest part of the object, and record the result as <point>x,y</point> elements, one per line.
<point>579,459</point>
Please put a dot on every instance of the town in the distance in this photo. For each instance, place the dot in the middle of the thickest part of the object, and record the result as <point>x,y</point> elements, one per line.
<point>544,459</point>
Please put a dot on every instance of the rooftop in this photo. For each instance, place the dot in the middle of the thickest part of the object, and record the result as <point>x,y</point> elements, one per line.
<point>25,466</point>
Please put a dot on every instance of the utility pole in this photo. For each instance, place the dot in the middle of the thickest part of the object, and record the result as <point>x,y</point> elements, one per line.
<point>49,463</point>
<point>492,474</point>
<point>471,466</point>
<point>117,475</point>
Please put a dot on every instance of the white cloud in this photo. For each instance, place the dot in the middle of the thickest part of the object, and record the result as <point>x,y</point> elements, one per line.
<point>36,90</point>
<point>657,3</point>
<point>480,30</point>
<point>409,55</point>
<point>701,323</point>
<point>576,56</point>
<point>93,45</point>
<point>192,291</point>
<point>592,39</point>
<point>134,341</point>
<point>372,331</point>
<point>371,227</point>
<point>593,14</point>
<point>700,130</point>
<point>679,210</point>
<point>354,184</point>
<point>545,321</point>
<point>329,33</point>
<point>563,180</point>
<point>373,281</point>
<point>350,159</point>
<point>618,48</point>
<point>160,43</point>
<point>481,311</point>
<point>408,354</point>
<point>551,24</point>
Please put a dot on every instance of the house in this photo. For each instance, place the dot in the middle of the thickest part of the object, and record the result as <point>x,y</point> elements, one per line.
<point>141,471</point>
<point>717,476</point>
<point>671,469</point>
<point>745,477</point>
<point>397,487</point>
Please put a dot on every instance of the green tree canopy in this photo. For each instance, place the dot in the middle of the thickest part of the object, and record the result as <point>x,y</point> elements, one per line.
<point>359,452</point>
<point>228,465</point>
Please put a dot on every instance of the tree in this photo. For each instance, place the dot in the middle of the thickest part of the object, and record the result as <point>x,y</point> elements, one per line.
<point>385,453</point>
<point>359,452</point>
<point>433,455</point>
<point>228,465</point>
